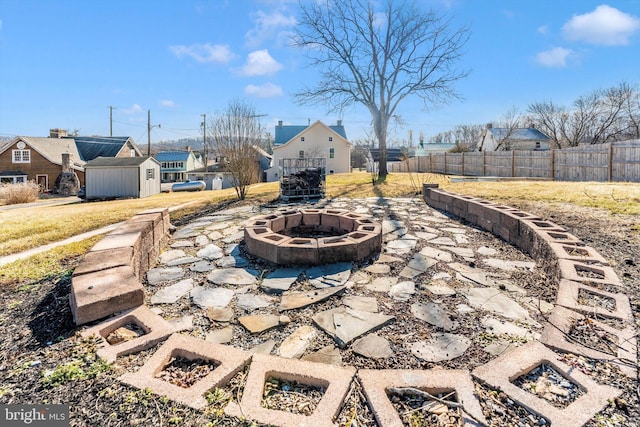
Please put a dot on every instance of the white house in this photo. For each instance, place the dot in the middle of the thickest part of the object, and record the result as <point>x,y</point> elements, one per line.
<point>316,140</point>
<point>507,139</point>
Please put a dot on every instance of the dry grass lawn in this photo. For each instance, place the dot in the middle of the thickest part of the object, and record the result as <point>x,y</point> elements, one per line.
<point>27,227</point>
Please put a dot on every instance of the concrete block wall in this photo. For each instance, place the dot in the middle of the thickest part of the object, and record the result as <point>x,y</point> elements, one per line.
<point>109,279</point>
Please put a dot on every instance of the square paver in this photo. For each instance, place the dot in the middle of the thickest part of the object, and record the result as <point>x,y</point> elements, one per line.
<point>154,326</point>
<point>568,292</point>
<point>499,373</point>
<point>229,360</point>
<point>376,382</point>
<point>335,380</point>
<point>556,334</point>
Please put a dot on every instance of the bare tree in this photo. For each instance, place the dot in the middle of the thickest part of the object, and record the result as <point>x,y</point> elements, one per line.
<point>549,118</point>
<point>378,57</point>
<point>236,133</point>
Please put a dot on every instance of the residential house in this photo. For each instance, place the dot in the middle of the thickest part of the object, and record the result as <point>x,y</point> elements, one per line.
<point>40,159</point>
<point>216,177</point>
<point>315,140</point>
<point>175,165</point>
<point>508,139</point>
<point>122,177</point>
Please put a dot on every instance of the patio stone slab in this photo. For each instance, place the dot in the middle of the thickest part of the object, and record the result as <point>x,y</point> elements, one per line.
<point>433,314</point>
<point>441,346</point>
<point>294,300</point>
<point>207,297</point>
<point>173,293</point>
<point>231,276</point>
<point>373,346</point>
<point>345,324</point>
<point>159,275</point>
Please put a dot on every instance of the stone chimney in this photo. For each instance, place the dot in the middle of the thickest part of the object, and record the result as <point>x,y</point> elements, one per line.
<point>532,125</point>
<point>187,148</point>
<point>489,125</point>
<point>57,133</point>
<point>66,162</point>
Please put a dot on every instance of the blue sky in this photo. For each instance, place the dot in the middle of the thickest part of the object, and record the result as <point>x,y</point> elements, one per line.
<point>64,62</point>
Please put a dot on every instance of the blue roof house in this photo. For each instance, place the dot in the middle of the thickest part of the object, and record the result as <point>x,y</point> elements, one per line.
<point>508,139</point>
<point>175,165</point>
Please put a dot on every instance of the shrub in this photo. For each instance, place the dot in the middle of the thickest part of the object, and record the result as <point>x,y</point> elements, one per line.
<point>23,192</point>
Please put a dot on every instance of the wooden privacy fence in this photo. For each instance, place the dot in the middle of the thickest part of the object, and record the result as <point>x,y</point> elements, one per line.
<point>616,161</point>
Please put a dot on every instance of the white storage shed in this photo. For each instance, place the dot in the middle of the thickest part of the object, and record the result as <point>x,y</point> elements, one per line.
<point>122,177</point>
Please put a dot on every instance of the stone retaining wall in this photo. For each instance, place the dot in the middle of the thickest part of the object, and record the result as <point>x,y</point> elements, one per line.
<point>109,278</point>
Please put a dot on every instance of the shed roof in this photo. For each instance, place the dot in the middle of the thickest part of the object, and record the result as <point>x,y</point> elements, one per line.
<point>117,161</point>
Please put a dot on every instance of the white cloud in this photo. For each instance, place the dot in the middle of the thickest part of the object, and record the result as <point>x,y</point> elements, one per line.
<point>204,52</point>
<point>135,108</point>
<point>556,57</point>
<point>605,26</point>
<point>167,103</point>
<point>543,29</point>
<point>267,90</point>
<point>260,63</point>
<point>268,26</point>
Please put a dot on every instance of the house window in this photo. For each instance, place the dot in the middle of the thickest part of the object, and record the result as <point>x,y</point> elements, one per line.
<point>151,173</point>
<point>302,138</point>
<point>21,156</point>
<point>301,154</point>
<point>537,145</point>
<point>330,139</point>
<point>332,153</point>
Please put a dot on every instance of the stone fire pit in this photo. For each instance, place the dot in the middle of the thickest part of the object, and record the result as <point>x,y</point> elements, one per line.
<point>313,237</point>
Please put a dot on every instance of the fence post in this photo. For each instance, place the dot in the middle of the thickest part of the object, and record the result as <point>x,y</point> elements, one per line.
<point>445,162</point>
<point>484,163</point>
<point>463,163</point>
<point>513,163</point>
<point>553,164</point>
<point>610,163</point>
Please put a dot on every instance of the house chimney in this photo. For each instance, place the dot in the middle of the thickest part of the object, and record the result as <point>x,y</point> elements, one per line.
<point>279,123</point>
<point>532,125</point>
<point>66,162</point>
<point>489,125</point>
<point>187,148</point>
<point>57,133</point>
<point>339,122</point>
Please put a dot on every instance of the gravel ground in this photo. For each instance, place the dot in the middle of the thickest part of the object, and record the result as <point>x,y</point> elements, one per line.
<point>44,361</point>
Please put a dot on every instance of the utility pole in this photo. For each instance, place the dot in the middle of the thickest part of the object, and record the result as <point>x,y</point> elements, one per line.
<point>111,119</point>
<point>149,127</point>
<point>204,140</point>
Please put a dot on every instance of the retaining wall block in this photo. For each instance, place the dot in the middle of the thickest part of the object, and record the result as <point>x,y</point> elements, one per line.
<point>574,252</point>
<point>262,242</point>
<point>277,223</point>
<point>298,250</point>
<point>292,219</point>
<point>587,273</point>
<point>336,249</point>
<point>568,296</point>
<point>103,260</point>
<point>155,329</point>
<point>330,218</point>
<point>229,361</point>
<point>103,293</point>
<point>311,217</point>
<point>368,243</point>
<point>349,221</point>
<point>334,380</point>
